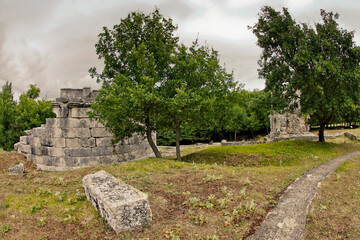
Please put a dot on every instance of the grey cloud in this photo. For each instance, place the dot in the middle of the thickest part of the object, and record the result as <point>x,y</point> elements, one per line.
<point>177,8</point>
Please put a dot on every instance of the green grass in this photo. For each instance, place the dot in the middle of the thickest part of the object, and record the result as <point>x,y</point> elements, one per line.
<point>282,153</point>
<point>200,198</point>
<point>334,212</point>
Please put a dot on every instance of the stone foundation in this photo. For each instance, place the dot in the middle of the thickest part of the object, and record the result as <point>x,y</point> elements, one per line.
<point>72,141</point>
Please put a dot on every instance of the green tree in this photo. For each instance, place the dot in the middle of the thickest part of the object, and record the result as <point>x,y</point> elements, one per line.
<point>15,117</point>
<point>316,67</point>
<point>8,126</point>
<point>30,112</point>
<point>137,55</point>
<point>197,83</point>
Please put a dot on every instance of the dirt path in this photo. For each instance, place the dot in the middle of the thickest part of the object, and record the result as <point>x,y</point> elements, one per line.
<point>287,219</point>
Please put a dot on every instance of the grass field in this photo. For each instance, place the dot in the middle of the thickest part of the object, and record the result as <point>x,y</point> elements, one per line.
<point>334,212</point>
<point>215,193</point>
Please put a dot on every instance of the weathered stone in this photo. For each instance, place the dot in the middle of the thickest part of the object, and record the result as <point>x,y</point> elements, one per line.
<point>39,132</point>
<point>121,205</point>
<point>55,152</point>
<point>76,132</point>
<point>27,132</point>
<point>53,142</point>
<point>101,142</point>
<point>100,132</point>
<point>16,146</point>
<point>17,169</point>
<point>102,151</point>
<point>71,140</point>
<point>351,136</point>
<point>24,140</point>
<point>289,126</point>
<point>79,112</point>
<point>51,161</point>
<point>54,133</point>
<point>25,149</point>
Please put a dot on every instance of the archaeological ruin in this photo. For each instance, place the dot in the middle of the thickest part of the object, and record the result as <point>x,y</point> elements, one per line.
<point>289,126</point>
<point>72,140</point>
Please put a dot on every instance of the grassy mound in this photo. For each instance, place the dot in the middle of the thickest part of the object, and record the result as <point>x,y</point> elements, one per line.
<point>283,153</point>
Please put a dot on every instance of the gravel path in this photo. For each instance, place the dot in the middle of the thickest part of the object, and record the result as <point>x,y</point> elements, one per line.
<point>287,219</point>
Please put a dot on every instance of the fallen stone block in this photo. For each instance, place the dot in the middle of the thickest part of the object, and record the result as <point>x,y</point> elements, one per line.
<point>121,205</point>
<point>351,136</point>
<point>18,169</point>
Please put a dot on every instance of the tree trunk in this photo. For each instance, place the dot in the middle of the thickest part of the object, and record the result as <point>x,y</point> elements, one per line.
<point>235,135</point>
<point>177,138</point>
<point>321,132</point>
<point>150,140</point>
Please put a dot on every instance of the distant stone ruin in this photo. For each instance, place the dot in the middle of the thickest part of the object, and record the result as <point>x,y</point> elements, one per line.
<point>289,126</point>
<point>72,141</point>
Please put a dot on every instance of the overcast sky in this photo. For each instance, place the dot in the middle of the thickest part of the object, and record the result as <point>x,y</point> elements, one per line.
<point>51,43</point>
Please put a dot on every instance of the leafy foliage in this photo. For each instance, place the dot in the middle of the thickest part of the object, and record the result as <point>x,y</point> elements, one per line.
<point>150,82</point>
<point>8,127</point>
<point>15,117</point>
<point>136,54</point>
<point>316,67</point>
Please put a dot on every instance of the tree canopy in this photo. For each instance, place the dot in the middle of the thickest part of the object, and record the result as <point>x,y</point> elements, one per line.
<point>136,54</point>
<point>314,66</point>
<point>151,82</point>
<point>16,117</point>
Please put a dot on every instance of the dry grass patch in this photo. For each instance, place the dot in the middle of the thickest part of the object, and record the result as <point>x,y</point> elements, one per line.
<point>334,212</point>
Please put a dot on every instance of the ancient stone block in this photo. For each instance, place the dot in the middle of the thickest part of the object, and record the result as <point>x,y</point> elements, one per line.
<point>38,132</point>
<point>76,132</point>
<point>25,149</point>
<point>54,133</point>
<point>78,152</point>
<point>53,142</point>
<point>55,152</point>
<point>28,132</point>
<point>18,169</point>
<point>24,140</point>
<point>121,205</point>
<point>102,151</point>
<point>72,143</point>
<point>79,112</point>
<point>101,142</point>
<point>100,132</point>
<point>351,136</point>
<point>51,161</point>
<point>16,146</point>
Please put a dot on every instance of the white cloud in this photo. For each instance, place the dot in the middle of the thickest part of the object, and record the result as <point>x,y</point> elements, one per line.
<point>241,3</point>
<point>213,23</point>
<point>294,4</point>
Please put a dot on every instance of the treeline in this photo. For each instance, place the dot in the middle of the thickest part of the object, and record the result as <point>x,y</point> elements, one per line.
<point>243,116</point>
<point>18,116</point>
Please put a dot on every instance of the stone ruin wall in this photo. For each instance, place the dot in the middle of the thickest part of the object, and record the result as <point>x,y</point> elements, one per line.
<point>71,140</point>
<point>288,125</point>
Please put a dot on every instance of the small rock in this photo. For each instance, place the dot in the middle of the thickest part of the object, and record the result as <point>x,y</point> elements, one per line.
<point>18,169</point>
<point>223,141</point>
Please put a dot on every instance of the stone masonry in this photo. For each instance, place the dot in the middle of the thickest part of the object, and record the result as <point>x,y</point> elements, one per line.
<point>289,126</point>
<point>121,205</point>
<point>72,141</point>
